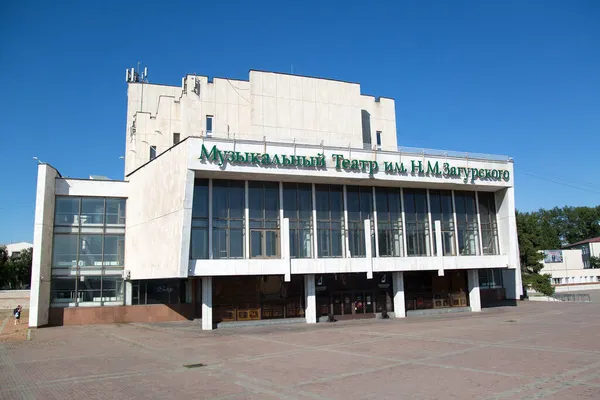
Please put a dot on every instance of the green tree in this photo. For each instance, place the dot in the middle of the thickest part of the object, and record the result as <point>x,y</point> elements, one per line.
<point>595,262</point>
<point>15,272</point>
<point>532,239</point>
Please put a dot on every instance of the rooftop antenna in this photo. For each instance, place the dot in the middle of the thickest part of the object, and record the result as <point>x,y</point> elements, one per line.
<point>38,160</point>
<point>136,76</point>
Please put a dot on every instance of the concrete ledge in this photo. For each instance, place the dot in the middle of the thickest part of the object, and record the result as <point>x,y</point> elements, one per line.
<point>437,311</point>
<point>120,314</point>
<point>262,322</point>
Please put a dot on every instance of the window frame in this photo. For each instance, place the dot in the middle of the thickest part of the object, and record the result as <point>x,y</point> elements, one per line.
<point>210,118</point>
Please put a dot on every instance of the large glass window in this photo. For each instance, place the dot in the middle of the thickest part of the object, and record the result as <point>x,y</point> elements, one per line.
<point>92,211</point>
<point>63,290</point>
<point>114,250</point>
<point>264,219</point>
<point>88,253</point>
<point>489,226</point>
<point>330,220</point>
<point>228,199</point>
<point>115,212</point>
<point>442,210</point>
<point>199,239</point>
<point>90,289</point>
<point>64,253</point>
<point>490,278</point>
<point>360,207</point>
<point>297,206</point>
<point>466,216</point>
<point>389,222</point>
<point>417,222</point>
<point>67,211</point>
<point>112,289</point>
<point>90,250</point>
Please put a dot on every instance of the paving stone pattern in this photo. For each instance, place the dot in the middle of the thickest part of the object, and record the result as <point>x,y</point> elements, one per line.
<point>532,351</point>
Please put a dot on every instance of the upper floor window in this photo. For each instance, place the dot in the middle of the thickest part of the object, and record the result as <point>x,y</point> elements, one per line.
<point>228,208</point>
<point>297,206</point>
<point>209,125</point>
<point>389,222</point>
<point>489,226</point>
<point>263,209</point>
<point>442,210</point>
<point>379,140</point>
<point>176,138</point>
<point>360,207</point>
<point>152,152</point>
<point>89,211</point>
<point>417,222</point>
<point>466,222</point>
<point>199,239</point>
<point>330,219</point>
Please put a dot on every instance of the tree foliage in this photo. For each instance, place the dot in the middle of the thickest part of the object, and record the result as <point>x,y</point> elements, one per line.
<point>15,272</point>
<point>594,262</point>
<point>548,230</point>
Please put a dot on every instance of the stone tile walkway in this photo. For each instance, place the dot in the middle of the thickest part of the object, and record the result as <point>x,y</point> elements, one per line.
<point>533,351</point>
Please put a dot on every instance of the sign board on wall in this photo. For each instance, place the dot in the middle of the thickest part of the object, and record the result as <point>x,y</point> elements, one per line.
<point>553,256</point>
<point>415,167</point>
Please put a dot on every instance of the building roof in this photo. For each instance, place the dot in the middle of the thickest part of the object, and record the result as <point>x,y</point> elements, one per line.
<point>592,240</point>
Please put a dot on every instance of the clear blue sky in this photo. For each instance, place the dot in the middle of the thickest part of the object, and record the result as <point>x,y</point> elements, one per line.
<point>520,78</point>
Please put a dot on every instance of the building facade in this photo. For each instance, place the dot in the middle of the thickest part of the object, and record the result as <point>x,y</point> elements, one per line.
<point>570,268</point>
<point>278,197</point>
<point>15,249</point>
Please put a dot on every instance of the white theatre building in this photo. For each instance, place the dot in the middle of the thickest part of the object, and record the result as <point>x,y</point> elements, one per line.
<point>279,197</point>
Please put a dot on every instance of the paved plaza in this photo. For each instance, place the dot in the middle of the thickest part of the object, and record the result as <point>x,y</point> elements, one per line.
<point>533,351</point>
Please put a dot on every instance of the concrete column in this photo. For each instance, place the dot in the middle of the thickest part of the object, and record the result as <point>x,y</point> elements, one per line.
<point>207,321</point>
<point>474,295</point>
<point>310,308</point>
<point>404,240</point>
<point>368,249</point>
<point>398,286</point>
<point>315,252</point>
<point>375,222</point>
<point>41,264</point>
<point>439,246</point>
<point>346,251</point>
<point>210,221</point>
<point>246,223</point>
<point>285,248</point>
<point>128,293</point>
<point>430,249</point>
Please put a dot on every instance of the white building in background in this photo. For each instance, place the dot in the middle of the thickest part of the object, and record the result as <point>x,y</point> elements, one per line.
<point>14,249</point>
<point>278,197</point>
<point>570,268</point>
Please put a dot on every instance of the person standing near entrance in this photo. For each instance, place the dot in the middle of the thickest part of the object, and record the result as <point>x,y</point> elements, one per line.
<point>17,314</point>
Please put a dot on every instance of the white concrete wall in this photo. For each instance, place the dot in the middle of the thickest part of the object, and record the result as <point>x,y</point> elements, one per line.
<point>509,242</point>
<point>41,267</point>
<point>341,265</point>
<point>91,187</point>
<point>159,217</point>
<point>595,249</point>
<point>17,247</point>
<point>572,260</point>
<point>571,271</point>
<point>276,106</point>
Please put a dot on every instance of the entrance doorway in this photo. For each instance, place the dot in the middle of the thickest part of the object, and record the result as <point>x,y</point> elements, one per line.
<point>349,296</point>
